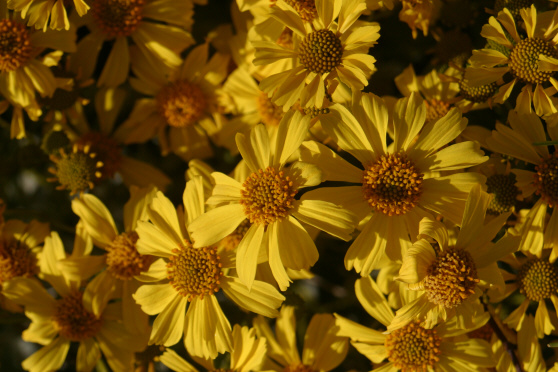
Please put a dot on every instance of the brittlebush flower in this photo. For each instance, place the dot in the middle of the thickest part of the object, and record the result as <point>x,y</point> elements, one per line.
<point>400,184</point>
<point>531,61</point>
<point>335,50</point>
<point>155,27</point>
<point>47,13</point>
<point>450,278</point>
<point>267,200</point>
<point>324,349</point>
<point>69,317</point>
<point>181,285</point>
<point>413,348</point>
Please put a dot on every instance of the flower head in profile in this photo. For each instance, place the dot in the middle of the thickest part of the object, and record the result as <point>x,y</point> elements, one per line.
<point>267,199</point>
<point>449,277</point>
<point>413,348</point>
<point>529,61</point>
<point>332,50</point>
<point>399,184</point>
<point>68,318</point>
<point>248,354</point>
<point>323,350</point>
<point>180,286</point>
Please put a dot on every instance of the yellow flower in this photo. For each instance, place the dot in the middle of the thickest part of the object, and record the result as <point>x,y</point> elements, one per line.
<point>519,140</point>
<point>419,14</point>
<point>182,108</point>
<point>448,277</point>
<point>24,69</point>
<point>415,160</point>
<point>267,200</point>
<point>324,349</point>
<point>413,347</point>
<point>156,28</point>
<point>530,61</point>
<point>248,354</point>
<point>184,274</point>
<point>345,58</point>
<point>124,265</point>
<point>57,322</point>
<point>38,12</point>
<point>536,278</point>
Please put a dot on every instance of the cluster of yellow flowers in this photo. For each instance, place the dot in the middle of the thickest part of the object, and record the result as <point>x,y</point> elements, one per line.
<point>449,225</point>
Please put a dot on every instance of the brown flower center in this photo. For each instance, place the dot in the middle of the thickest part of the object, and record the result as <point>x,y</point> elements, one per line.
<point>16,260</point>
<point>117,17</point>
<point>538,279</point>
<point>484,333</point>
<point>452,278</point>
<point>267,196</point>
<point>231,241</point>
<point>108,152</point>
<point>321,51</point>
<point>505,193</point>
<point>524,60</point>
<point>298,368</point>
<point>15,46</point>
<point>286,38</point>
<point>181,104</point>
<point>546,180</point>
<point>478,94</point>
<point>435,109</point>
<point>306,9</point>
<point>76,171</point>
<point>123,260</point>
<point>270,113</point>
<point>150,354</point>
<point>392,185</point>
<point>73,321</point>
<point>194,272</point>
<point>413,348</point>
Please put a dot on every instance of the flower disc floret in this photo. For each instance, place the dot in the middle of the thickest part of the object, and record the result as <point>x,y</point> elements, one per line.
<point>505,193</point>
<point>16,260</point>
<point>73,321</point>
<point>451,279</point>
<point>267,195</point>
<point>117,17</point>
<point>194,272</point>
<point>524,60</point>
<point>123,259</point>
<point>478,94</point>
<point>76,171</point>
<point>435,109</point>
<point>107,149</point>
<point>538,279</point>
<point>181,104</point>
<point>413,348</point>
<point>15,46</point>
<point>305,8</point>
<point>231,241</point>
<point>546,180</point>
<point>392,185</point>
<point>321,51</point>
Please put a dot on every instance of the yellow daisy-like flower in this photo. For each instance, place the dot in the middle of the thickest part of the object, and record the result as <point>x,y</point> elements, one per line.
<point>531,61</point>
<point>39,12</point>
<point>536,278</point>
<point>419,14</point>
<point>399,185</point>
<point>156,28</point>
<point>23,70</point>
<point>449,278</point>
<point>334,50</point>
<point>412,348</point>
<point>323,350</point>
<point>248,354</point>
<point>186,275</point>
<point>182,109</point>
<point>57,322</point>
<point>519,141</point>
<point>267,200</point>
<point>124,265</point>
<point>20,244</point>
